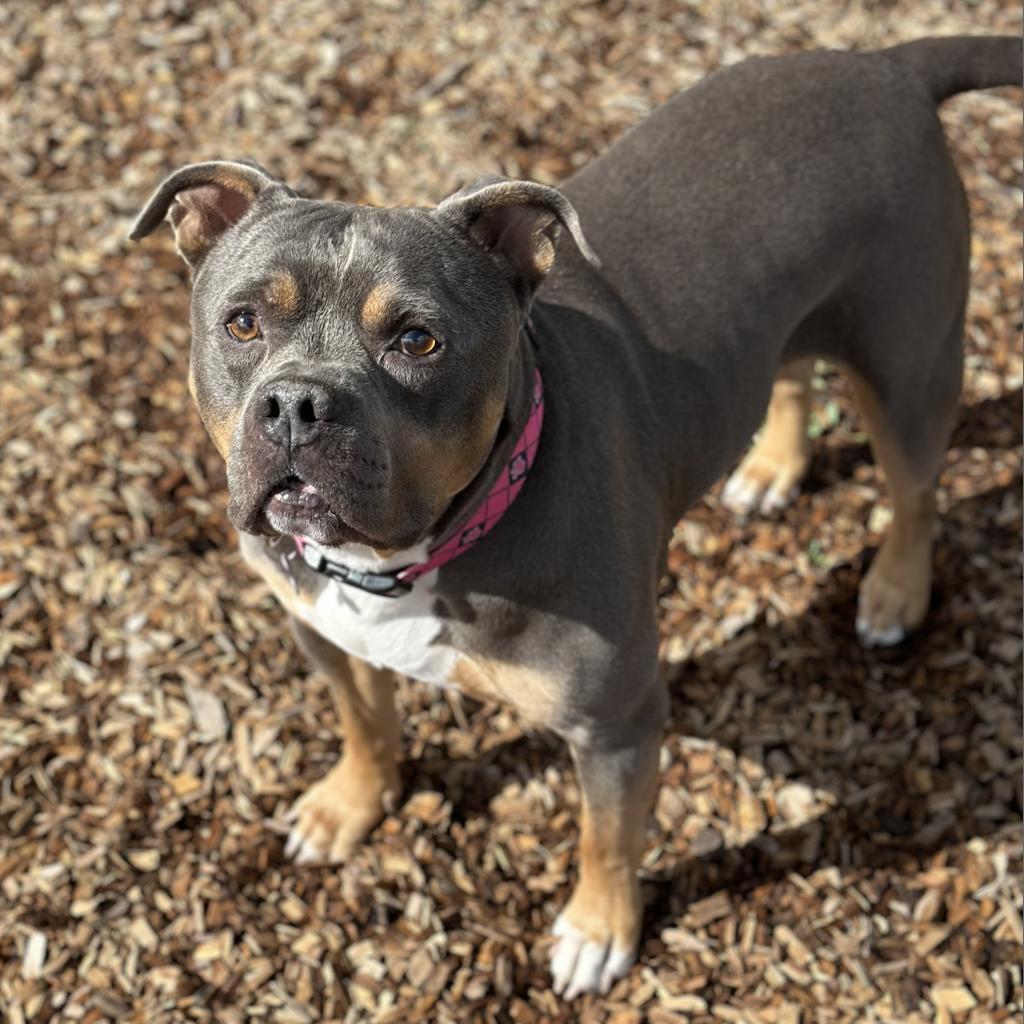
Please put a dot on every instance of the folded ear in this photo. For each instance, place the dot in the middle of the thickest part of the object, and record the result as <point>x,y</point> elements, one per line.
<point>202,201</point>
<point>517,222</point>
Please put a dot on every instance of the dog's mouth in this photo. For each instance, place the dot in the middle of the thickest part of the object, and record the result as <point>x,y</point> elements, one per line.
<point>294,495</point>
<point>296,507</point>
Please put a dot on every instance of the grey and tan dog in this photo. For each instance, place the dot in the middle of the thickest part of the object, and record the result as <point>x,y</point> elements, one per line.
<point>458,438</point>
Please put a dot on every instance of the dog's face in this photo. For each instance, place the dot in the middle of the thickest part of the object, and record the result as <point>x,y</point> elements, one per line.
<point>352,363</point>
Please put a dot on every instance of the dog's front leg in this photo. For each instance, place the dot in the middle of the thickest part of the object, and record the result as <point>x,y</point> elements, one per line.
<point>617,764</point>
<point>337,813</point>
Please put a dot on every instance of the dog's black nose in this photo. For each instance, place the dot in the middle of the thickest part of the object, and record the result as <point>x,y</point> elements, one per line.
<point>292,411</point>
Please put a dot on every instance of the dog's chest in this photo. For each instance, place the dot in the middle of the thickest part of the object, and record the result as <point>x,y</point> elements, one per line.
<point>402,634</point>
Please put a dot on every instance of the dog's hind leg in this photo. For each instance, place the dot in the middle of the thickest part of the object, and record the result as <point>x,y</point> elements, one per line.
<point>769,476</point>
<point>909,426</point>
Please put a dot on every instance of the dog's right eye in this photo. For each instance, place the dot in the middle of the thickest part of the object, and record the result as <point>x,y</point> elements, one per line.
<point>244,327</point>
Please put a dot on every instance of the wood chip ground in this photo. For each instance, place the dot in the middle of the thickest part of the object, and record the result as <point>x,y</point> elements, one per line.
<point>838,833</point>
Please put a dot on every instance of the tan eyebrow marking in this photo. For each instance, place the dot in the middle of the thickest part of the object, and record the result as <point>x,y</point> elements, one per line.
<point>376,305</point>
<point>282,292</point>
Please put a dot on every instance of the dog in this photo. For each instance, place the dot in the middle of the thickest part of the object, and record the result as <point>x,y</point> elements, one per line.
<point>458,438</point>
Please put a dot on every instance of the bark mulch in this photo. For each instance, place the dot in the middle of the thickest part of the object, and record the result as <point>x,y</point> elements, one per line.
<point>838,833</point>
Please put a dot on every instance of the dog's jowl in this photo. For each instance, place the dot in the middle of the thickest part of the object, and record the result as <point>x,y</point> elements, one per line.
<point>458,438</point>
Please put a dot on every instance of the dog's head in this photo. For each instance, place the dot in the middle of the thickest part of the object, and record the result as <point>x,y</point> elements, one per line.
<point>352,363</point>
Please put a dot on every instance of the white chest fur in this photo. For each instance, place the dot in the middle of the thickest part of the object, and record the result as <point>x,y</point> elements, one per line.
<point>397,633</point>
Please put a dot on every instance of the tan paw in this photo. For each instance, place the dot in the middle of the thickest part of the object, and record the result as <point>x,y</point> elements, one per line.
<point>891,604</point>
<point>764,483</point>
<point>336,814</point>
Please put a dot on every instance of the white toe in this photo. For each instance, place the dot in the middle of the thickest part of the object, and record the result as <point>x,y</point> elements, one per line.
<point>776,499</point>
<point>587,975</point>
<point>564,956</point>
<point>293,843</point>
<point>871,637</point>
<point>309,853</point>
<point>740,494</point>
<point>616,966</point>
<point>581,965</point>
<point>729,491</point>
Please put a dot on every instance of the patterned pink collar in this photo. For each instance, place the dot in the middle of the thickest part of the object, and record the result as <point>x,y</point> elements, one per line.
<point>500,497</point>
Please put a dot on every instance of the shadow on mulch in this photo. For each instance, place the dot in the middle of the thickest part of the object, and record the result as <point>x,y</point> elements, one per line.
<point>990,423</point>
<point>881,831</point>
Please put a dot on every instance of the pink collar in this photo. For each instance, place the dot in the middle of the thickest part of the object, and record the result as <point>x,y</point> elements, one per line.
<point>487,515</point>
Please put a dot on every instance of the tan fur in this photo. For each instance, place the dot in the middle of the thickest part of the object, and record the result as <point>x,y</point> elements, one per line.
<point>536,695</point>
<point>236,182</point>
<point>282,292</point>
<point>464,460</point>
<point>342,809</point>
<point>544,255</point>
<point>605,905</point>
<point>455,460</point>
<point>194,232</point>
<point>377,305</point>
<point>896,590</point>
<point>782,453</point>
<point>222,429</point>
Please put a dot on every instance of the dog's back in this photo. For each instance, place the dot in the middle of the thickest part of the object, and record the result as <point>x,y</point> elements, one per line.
<point>740,224</point>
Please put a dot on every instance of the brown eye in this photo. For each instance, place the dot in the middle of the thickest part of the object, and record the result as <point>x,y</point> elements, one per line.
<point>244,327</point>
<point>417,343</point>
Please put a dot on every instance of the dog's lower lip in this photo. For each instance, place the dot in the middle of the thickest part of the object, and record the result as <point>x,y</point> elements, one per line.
<point>297,495</point>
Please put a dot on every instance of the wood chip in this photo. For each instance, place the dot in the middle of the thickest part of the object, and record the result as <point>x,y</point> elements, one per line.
<point>34,957</point>
<point>704,912</point>
<point>207,713</point>
<point>953,998</point>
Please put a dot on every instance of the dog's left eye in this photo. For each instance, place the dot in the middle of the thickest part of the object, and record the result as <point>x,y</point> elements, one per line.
<point>244,327</point>
<point>417,343</point>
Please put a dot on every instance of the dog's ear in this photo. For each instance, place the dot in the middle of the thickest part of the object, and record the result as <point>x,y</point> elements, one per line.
<point>203,200</point>
<point>517,222</point>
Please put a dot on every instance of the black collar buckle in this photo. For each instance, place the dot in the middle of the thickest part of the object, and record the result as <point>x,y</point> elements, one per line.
<point>382,584</point>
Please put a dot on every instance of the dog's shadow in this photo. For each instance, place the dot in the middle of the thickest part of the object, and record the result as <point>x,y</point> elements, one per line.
<point>989,423</point>
<point>916,772</point>
<point>906,769</point>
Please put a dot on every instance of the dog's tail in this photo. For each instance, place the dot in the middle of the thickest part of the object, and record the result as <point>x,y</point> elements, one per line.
<point>955,64</point>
